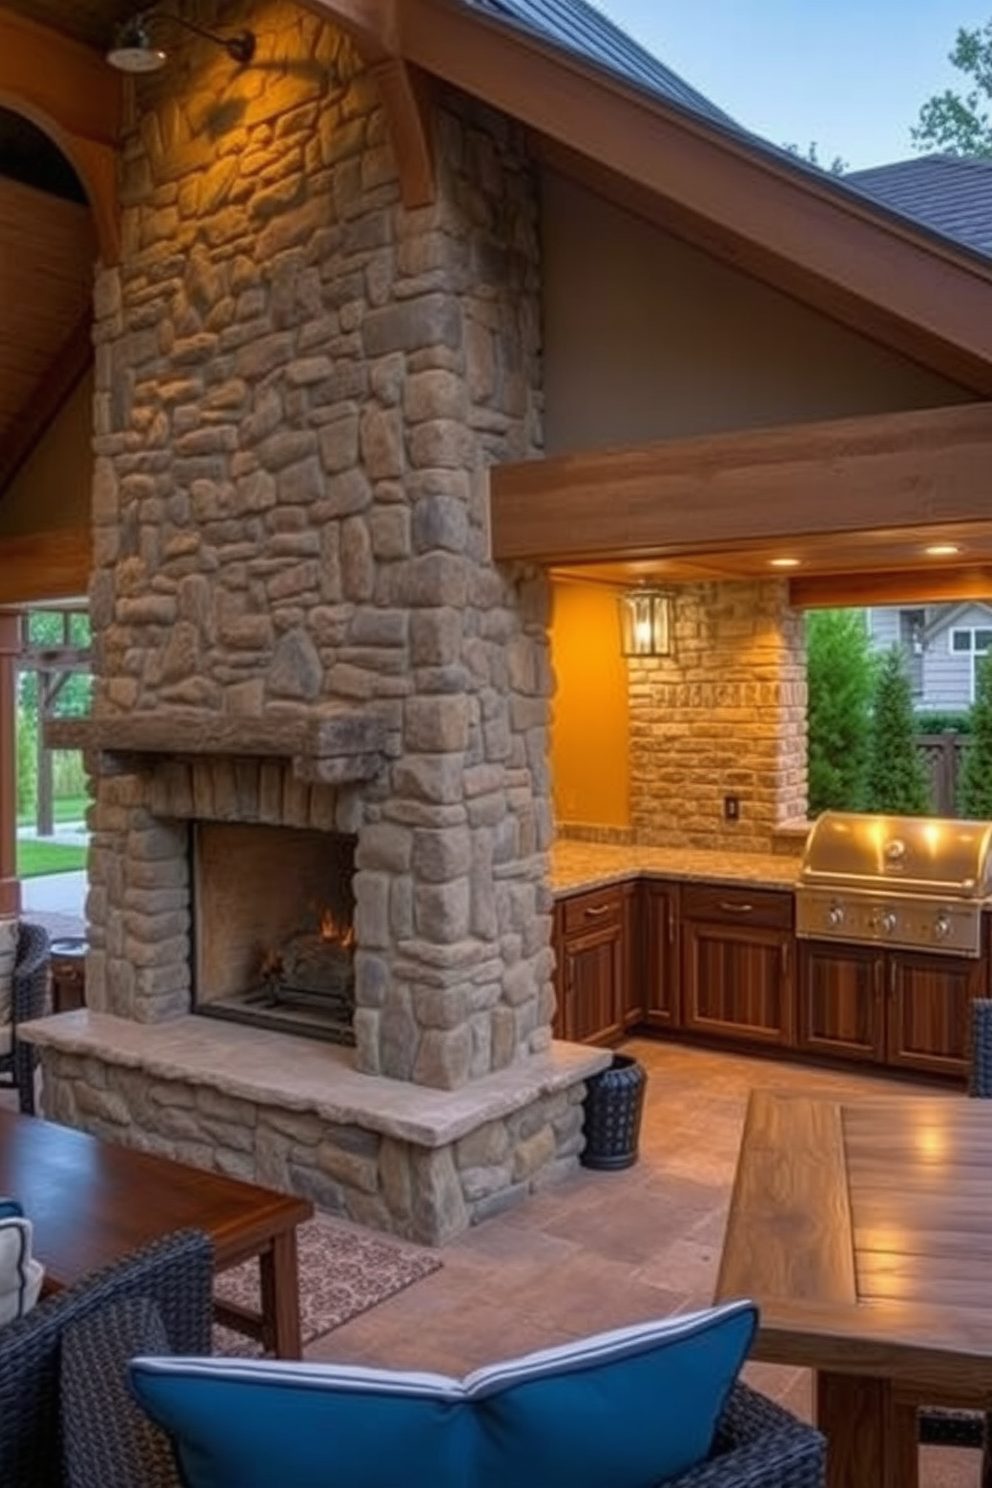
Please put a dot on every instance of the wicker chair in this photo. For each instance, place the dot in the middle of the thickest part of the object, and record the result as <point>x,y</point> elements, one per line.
<point>46,1446</point>
<point>939,1425</point>
<point>28,1000</point>
<point>759,1445</point>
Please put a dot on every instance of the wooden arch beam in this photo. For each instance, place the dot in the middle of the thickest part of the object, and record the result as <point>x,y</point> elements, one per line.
<point>373,27</point>
<point>71,94</point>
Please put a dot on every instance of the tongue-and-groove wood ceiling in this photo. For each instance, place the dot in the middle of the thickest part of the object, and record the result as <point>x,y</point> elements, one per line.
<point>48,247</point>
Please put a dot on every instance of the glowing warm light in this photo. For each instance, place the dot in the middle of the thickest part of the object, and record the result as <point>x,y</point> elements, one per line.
<point>931,1143</point>
<point>342,935</point>
<point>941,550</point>
<point>783,562</point>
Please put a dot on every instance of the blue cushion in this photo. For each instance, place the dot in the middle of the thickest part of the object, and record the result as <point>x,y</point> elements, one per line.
<point>626,1409</point>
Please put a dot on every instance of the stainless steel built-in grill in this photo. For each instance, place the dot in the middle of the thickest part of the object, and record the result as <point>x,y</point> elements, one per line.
<point>910,881</point>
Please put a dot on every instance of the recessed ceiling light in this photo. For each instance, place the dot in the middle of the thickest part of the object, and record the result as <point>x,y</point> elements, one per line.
<point>783,562</point>
<point>942,550</point>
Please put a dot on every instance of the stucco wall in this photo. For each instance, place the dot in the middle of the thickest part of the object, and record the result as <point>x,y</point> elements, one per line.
<point>51,490</point>
<point>647,338</point>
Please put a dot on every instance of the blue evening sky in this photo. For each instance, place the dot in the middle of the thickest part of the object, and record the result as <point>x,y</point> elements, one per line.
<point>849,75</point>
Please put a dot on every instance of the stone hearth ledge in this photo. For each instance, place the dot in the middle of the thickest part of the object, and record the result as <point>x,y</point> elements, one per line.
<point>301,1074</point>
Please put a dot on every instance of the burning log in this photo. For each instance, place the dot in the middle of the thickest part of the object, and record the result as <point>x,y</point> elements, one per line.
<point>319,963</point>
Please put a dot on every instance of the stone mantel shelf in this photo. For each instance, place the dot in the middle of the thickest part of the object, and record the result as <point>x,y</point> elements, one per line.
<point>307,1075</point>
<point>332,746</point>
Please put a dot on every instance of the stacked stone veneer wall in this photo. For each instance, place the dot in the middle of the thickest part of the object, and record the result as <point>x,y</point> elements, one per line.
<point>299,386</point>
<point>724,715</point>
<point>427,1194</point>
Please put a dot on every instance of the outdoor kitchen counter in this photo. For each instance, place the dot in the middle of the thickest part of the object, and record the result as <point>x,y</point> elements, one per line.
<point>593,865</point>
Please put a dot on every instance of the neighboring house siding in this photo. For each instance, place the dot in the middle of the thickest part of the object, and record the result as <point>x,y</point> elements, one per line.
<point>942,676</point>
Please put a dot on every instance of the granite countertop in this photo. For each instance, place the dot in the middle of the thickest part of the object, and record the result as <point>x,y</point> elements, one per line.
<point>591,865</point>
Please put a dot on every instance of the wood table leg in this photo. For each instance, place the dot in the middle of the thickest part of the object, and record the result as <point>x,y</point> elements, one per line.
<point>280,1284</point>
<point>871,1441</point>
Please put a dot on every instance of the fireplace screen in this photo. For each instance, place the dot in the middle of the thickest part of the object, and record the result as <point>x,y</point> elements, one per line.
<point>273,924</point>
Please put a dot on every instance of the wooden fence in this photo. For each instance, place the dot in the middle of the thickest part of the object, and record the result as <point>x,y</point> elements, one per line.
<point>942,754</point>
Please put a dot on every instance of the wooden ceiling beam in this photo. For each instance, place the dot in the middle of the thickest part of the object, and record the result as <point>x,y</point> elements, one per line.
<point>44,567</point>
<point>894,471</point>
<point>63,374</point>
<point>917,586</point>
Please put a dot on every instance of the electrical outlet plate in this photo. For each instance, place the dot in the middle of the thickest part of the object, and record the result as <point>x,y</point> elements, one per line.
<point>731,808</point>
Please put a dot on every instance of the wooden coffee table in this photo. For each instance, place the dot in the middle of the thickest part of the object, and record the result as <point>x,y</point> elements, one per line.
<point>91,1202</point>
<point>864,1231</point>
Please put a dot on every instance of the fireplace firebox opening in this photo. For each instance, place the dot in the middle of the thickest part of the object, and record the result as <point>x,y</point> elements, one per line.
<point>273,927</point>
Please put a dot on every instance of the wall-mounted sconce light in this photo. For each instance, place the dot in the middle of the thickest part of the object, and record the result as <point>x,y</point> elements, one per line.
<point>645,622</point>
<point>134,50</point>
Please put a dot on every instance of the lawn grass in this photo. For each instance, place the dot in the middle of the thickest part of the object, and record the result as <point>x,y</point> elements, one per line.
<point>35,859</point>
<point>64,809</point>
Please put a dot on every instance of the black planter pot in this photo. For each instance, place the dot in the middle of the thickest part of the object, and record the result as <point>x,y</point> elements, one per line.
<point>613,1105</point>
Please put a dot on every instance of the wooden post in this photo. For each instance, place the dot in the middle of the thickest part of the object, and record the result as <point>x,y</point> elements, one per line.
<point>10,645</point>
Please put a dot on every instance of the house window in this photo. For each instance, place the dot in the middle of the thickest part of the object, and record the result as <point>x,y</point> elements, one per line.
<point>974,642</point>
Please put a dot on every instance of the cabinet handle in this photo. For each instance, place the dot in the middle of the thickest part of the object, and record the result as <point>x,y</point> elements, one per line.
<point>731,908</point>
<point>671,925</point>
<point>597,911</point>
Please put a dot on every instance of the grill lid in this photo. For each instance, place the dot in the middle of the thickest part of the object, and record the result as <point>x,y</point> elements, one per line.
<point>908,854</point>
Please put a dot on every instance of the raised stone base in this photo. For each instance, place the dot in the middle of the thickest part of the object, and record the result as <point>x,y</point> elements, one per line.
<point>295,1115</point>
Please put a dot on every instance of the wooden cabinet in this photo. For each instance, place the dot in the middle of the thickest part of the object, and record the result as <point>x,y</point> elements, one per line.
<point>590,950</point>
<point>635,967</point>
<point>841,1011</point>
<point>659,971</point>
<point>737,963</point>
<point>908,1009</point>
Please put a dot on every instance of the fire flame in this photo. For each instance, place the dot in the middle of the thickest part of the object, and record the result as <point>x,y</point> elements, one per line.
<point>342,935</point>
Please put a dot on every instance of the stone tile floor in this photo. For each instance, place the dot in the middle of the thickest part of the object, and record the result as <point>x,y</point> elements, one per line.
<point>604,1249</point>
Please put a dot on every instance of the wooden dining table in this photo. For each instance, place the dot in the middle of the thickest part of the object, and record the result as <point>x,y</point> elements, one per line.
<point>863,1228</point>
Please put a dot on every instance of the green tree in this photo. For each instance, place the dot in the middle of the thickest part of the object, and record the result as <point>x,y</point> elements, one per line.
<point>840,677</point>
<point>837,166</point>
<point>897,777</point>
<point>975,781</point>
<point>958,123</point>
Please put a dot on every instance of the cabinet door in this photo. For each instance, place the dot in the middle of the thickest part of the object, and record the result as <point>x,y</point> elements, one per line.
<point>659,968</point>
<point>592,983</point>
<point>737,982</point>
<point>841,1000</point>
<point>928,1010</point>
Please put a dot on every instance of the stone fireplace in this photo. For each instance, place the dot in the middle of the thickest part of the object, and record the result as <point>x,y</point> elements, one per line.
<point>299,635</point>
<point>273,927</point>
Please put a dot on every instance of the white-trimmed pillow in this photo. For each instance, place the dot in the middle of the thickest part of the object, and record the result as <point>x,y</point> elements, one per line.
<point>21,1274</point>
<point>9,931</point>
<point>625,1409</point>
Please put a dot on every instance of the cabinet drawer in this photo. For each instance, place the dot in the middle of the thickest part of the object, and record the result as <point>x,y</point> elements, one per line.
<point>593,910</point>
<point>737,904</point>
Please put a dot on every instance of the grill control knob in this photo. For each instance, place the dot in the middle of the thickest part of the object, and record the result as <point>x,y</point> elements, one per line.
<point>941,927</point>
<point>835,916</point>
<point>887,922</point>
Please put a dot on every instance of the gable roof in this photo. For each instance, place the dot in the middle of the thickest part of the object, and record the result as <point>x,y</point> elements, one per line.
<point>949,193</point>
<point>578,27</point>
<point>946,194</point>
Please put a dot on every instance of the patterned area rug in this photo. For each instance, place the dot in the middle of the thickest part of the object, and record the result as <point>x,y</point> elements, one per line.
<point>343,1271</point>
